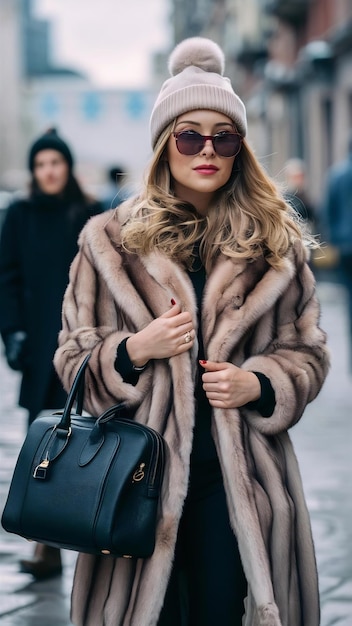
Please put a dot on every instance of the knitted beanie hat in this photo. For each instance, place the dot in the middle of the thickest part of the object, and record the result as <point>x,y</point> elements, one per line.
<point>50,141</point>
<point>196,66</point>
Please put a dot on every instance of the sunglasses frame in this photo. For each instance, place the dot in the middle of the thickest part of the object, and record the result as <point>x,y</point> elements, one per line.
<point>205,138</point>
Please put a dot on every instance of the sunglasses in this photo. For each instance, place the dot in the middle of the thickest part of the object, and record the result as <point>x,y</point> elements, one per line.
<point>225,144</point>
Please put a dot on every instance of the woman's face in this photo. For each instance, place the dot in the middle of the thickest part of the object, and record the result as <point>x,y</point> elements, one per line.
<point>51,171</point>
<point>196,178</point>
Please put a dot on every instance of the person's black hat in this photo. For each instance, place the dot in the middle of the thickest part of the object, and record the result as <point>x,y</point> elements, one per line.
<point>50,141</point>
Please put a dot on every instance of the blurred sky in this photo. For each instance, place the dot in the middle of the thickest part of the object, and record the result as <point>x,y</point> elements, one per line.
<point>111,40</point>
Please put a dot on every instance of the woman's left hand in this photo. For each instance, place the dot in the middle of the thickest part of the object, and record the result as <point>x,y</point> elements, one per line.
<point>228,386</point>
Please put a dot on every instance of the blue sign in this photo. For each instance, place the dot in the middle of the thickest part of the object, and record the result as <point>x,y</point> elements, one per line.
<point>49,105</point>
<point>135,104</point>
<point>91,105</point>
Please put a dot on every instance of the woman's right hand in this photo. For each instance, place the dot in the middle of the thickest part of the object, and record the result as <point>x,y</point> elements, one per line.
<point>168,335</point>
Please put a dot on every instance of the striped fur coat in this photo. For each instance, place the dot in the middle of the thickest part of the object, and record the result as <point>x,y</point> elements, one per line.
<point>253,316</point>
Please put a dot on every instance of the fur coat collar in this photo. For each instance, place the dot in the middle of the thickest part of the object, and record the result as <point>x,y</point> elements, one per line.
<point>254,316</point>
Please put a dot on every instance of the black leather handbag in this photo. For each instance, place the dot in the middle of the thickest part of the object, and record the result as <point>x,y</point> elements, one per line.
<point>87,484</point>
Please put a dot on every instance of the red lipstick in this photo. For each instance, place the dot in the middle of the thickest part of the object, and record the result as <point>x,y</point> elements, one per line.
<point>206,169</point>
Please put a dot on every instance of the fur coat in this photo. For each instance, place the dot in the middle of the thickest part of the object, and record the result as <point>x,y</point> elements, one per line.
<point>253,316</point>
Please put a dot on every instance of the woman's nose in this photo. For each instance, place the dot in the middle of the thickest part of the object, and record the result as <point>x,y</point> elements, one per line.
<point>208,147</point>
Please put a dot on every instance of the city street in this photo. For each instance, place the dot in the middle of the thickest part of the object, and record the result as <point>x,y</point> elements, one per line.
<point>323,442</point>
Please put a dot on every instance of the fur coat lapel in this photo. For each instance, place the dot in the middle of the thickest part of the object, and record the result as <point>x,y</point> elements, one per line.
<point>236,296</point>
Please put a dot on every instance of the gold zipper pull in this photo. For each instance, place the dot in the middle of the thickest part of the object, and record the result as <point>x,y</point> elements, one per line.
<point>139,474</point>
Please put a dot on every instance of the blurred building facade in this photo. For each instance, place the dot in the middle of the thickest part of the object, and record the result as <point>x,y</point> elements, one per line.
<point>103,127</point>
<point>290,61</point>
<point>11,72</point>
<point>37,42</point>
<point>307,84</point>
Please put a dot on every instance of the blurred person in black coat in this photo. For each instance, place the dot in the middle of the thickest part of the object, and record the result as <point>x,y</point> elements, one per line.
<point>117,189</point>
<point>37,245</point>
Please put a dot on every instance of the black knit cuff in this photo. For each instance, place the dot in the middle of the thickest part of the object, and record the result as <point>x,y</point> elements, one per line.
<point>265,405</point>
<point>124,366</point>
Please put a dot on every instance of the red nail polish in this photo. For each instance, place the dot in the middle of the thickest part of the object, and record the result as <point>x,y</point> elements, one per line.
<point>202,362</point>
<point>173,301</point>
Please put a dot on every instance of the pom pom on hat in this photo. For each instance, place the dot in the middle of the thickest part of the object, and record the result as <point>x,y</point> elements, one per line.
<point>199,52</point>
<point>196,66</point>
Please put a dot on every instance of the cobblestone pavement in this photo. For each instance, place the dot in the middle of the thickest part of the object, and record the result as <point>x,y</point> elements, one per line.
<point>323,442</point>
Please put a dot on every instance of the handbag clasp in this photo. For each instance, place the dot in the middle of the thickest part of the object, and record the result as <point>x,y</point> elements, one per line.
<point>40,470</point>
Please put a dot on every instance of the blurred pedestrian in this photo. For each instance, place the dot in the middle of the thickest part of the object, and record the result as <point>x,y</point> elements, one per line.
<point>336,216</point>
<point>297,192</point>
<point>37,244</point>
<point>117,189</point>
<point>198,290</point>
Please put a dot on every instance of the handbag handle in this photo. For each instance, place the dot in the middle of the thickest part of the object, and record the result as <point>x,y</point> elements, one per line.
<point>76,393</point>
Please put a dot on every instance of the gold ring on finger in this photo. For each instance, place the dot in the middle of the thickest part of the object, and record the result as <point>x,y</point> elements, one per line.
<point>188,337</point>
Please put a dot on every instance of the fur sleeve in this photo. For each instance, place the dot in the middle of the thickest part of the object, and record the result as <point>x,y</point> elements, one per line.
<point>297,360</point>
<point>92,322</point>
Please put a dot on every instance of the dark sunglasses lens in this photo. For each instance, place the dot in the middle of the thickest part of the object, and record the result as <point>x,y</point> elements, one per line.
<point>227,145</point>
<point>189,143</point>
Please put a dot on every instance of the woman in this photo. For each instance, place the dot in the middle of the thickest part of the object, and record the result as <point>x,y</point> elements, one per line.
<point>204,294</point>
<point>38,243</point>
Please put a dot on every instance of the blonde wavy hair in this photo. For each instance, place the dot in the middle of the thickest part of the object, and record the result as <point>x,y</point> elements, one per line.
<point>250,217</point>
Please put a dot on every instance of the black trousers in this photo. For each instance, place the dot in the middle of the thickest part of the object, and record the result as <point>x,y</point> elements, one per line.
<point>207,584</point>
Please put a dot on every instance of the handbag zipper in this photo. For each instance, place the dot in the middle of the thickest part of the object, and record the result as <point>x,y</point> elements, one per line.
<point>157,440</point>
<point>139,473</point>
<point>156,437</point>
<point>159,451</point>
